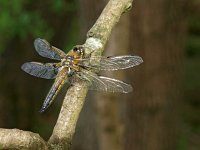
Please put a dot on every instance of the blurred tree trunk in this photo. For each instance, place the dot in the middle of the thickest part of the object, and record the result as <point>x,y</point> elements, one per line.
<point>110,105</point>
<point>158,34</point>
<point>13,95</point>
<point>89,12</point>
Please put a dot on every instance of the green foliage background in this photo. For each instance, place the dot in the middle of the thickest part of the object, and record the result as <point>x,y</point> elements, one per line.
<point>191,107</point>
<point>21,18</point>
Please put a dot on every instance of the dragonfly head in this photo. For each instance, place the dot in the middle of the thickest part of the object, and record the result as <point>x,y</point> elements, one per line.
<point>78,51</point>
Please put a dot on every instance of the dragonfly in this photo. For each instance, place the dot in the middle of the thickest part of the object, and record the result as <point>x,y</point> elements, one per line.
<point>75,65</point>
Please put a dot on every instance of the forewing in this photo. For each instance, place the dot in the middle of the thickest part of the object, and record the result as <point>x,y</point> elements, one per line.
<point>112,63</point>
<point>106,84</point>
<point>44,49</point>
<point>46,71</point>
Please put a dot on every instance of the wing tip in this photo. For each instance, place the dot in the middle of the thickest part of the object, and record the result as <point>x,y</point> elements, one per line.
<point>140,60</point>
<point>37,43</point>
<point>129,89</point>
<point>37,40</point>
<point>24,66</point>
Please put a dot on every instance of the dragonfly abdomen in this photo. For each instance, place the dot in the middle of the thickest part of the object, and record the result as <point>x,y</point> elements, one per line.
<point>59,82</point>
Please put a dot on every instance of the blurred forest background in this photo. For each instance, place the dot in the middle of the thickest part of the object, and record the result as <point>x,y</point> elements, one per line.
<point>163,112</point>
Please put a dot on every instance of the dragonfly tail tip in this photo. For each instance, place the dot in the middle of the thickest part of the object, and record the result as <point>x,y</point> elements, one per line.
<point>41,110</point>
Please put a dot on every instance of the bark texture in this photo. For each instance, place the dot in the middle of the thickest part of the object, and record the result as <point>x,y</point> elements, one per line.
<point>74,99</point>
<point>18,139</point>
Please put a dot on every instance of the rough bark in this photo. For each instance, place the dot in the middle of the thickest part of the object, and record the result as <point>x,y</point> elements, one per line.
<point>74,99</point>
<point>18,139</point>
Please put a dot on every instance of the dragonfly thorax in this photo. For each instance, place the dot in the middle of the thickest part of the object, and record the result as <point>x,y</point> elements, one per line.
<point>68,61</point>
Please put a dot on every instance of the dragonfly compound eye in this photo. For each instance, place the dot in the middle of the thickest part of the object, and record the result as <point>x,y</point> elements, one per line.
<point>75,49</point>
<point>78,50</point>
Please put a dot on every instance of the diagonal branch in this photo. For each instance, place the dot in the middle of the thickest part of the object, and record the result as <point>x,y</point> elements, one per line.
<point>73,102</point>
<point>64,129</point>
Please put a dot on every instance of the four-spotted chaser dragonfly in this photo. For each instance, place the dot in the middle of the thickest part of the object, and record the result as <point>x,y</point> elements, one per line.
<point>75,65</point>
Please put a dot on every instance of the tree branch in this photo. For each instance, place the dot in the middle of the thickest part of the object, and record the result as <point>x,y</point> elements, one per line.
<point>19,139</point>
<point>111,14</point>
<point>66,123</point>
<point>74,99</point>
<point>73,102</point>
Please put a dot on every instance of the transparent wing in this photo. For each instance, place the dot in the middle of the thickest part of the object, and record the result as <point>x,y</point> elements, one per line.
<point>106,84</point>
<point>112,63</point>
<point>46,50</point>
<point>46,71</point>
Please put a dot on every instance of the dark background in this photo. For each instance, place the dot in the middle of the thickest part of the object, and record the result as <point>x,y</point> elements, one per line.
<point>162,113</point>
